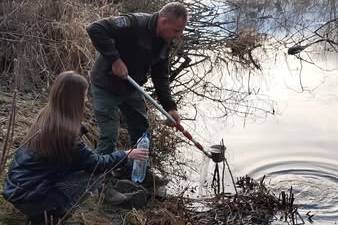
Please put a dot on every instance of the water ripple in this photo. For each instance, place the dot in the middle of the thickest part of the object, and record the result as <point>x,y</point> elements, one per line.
<point>314,184</point>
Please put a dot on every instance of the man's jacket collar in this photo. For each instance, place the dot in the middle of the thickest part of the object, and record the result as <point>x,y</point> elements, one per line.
<point>152,24</point>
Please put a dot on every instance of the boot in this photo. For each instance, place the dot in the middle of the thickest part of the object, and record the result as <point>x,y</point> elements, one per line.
<point>127,186</point>
<point>114,197</point>
<point>137,200</point>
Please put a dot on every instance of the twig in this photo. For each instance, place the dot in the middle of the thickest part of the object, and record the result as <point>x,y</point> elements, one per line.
<point>9,134</point>
<point>232,178</point>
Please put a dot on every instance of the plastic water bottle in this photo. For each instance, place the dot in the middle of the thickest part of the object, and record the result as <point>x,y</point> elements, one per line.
<point>140,166</point>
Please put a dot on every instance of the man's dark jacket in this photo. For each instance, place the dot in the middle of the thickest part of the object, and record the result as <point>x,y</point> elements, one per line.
<point>31,177</point>
<point>133,39</point>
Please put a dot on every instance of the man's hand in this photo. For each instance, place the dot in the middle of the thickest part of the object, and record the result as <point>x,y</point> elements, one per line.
<point>120,69</point>
<point>175,116</point>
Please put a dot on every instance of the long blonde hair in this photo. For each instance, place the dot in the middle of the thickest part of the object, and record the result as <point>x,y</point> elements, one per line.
<point>56,129</point>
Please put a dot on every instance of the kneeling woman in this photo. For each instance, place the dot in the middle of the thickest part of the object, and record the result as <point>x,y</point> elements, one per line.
<point>53,168</point>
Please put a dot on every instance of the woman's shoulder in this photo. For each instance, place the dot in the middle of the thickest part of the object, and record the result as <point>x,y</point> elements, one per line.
<point>24,152</point>
<point>82,150</point>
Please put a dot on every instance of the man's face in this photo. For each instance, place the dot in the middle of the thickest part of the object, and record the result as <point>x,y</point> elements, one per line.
<point>171,29</point>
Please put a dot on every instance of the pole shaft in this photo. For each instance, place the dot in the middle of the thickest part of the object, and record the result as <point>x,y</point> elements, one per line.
<point>147,96</point>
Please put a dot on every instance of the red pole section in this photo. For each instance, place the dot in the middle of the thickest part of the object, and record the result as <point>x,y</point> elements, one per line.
<point>189,136</point>
<point>185,133</point>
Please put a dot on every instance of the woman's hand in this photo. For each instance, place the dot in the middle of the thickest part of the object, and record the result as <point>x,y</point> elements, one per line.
<point>138,153</point>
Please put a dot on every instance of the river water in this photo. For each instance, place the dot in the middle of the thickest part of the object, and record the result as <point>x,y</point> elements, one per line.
<point>297,147</point>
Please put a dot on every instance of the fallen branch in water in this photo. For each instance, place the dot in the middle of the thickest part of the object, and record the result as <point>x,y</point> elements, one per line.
<point>254,204</point>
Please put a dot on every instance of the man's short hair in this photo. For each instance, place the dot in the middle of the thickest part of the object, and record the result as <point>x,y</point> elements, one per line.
<point>174,10</point>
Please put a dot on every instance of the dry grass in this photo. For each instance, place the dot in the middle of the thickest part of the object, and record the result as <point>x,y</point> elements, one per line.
<point>45,37</point>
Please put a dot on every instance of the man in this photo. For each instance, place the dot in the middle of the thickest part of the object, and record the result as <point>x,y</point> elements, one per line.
<point>134,45</point>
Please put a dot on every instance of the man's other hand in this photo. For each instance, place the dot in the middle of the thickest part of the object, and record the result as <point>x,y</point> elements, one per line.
<point>120,69</point>
<point>175,116</point>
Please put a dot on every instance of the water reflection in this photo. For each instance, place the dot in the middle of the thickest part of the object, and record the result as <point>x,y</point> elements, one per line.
<point>298,145</point>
